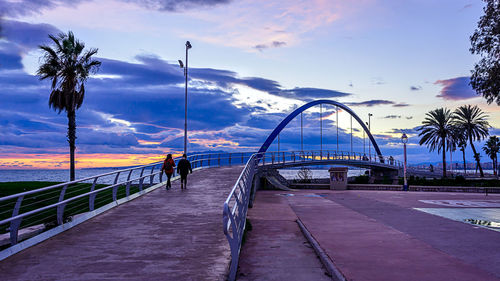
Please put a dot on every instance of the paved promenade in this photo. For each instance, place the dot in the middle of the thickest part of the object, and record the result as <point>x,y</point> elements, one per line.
<point>275,248</point>
<point>379,235</point>
<point>163,235</point>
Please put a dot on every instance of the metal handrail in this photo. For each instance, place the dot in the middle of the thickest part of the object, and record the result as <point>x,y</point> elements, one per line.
<point>149,170</point>
<point>281,157</point>
<point>235,212</point>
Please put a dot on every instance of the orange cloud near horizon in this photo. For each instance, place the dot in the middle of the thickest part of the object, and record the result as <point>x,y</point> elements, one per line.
<point>61,161</point>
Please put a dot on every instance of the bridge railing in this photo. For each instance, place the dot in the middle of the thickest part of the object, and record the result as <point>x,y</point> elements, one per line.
<point>44,208</point>
<point>235,211</point>
<point>278,157</point>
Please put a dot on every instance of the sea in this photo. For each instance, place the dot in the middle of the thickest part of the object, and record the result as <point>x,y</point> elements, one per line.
<point>50,175</point>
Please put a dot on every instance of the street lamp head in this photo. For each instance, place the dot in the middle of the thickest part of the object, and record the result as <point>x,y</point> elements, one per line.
<point>404,138</point>
<point>369,114</point>
<point>181,64</point>
<point>188,45</point>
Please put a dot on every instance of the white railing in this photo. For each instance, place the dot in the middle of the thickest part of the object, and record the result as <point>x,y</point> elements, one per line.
<point>235,212</point>
<point>54,205</point>
<point>283,157</point>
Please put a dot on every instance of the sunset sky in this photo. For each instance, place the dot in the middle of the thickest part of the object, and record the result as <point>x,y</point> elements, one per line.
<point>252,63</point>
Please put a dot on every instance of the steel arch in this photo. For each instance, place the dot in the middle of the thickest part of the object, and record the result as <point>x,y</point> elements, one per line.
<point>299,110</point>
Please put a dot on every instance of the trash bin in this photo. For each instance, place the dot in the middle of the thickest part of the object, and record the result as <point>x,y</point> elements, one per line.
<point>338,178</point>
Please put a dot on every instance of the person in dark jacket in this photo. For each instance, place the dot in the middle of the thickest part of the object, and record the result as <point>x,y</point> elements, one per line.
<point>183,167</point>
<point>168,167</point>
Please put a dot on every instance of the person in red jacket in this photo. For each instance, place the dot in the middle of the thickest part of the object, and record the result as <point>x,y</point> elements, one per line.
<point>168,167</point>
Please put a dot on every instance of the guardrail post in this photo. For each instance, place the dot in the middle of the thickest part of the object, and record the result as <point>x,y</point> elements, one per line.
<point>229,159</point>
<point>115,188</point>
<point>60,208</point>
<point>127,189</point>
<point>242,161</point>
<point>142,179</point>
<point>152,175</point>
<point>218,160</point>
<point>92,196</point>
<point>15,224</point>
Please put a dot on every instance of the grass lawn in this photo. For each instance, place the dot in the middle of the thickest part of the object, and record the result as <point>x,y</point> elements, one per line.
<point>38,200</point>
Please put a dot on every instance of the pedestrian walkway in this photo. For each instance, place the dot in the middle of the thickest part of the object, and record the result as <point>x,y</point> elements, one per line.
<point>375,235</point>
<point>163,235</point>
<point>275,248</point>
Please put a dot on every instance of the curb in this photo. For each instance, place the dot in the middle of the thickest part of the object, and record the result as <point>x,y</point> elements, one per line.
<point>324,258</point>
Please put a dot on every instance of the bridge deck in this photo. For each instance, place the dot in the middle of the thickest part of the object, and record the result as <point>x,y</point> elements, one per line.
<point>164,235</point>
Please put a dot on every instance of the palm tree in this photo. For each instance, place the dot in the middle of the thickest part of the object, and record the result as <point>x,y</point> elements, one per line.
<point>68,67</point>
<point>473,121</point>
<point>460,140</point>
<point>491,148</point>
<point>436,130</point>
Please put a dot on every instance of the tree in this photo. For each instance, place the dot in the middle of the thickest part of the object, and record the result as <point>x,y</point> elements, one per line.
<point>491,148</point>
<point>68,67</point>
<point>461,138</point>
<point>485,41</point>
<point>472,120</point>
<point>436,130</point>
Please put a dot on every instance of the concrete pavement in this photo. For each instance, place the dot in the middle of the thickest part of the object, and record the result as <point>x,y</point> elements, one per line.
<point>163,235</point>
<point>275,248</point>
<point>378,235</point>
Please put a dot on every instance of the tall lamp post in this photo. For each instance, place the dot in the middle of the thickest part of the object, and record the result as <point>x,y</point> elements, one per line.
<point>369,129</point>
<point>404,139</point>
<point>188,46</point>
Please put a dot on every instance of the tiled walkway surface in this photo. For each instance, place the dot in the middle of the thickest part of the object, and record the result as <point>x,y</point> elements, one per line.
<point>163,235</point>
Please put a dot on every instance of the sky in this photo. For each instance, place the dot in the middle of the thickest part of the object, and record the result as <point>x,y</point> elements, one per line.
<point>252,63</point>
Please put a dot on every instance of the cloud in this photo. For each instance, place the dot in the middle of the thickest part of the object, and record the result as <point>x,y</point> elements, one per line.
<point>307,94</point>
<point>28,7</point>
<point>274,44</point>
<point>392,117</point>
<point>401,104</point>
<point>20,8</point>
<point>19,39</point>
<point>415,88</point>
<point>177,5</point>
<point>456,89</point>
<point>370,103</point>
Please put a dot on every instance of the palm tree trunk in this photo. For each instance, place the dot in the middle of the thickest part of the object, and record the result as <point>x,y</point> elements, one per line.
<point>444,157</point>
<point>71,139</point>
<point>495,163</point>
<point>465,168</point>
<point>476,156</point>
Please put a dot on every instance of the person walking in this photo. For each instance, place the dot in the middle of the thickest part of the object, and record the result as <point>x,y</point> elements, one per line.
<point>183,167</point>
<point>168,167</point>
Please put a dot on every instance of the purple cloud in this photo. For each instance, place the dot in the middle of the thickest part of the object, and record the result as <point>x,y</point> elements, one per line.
<point>274,44</point>
<point>370,103</point>
<point>28,7</point>
<point>456,89</point>
<point>392,117</point>
<point>177,5</point>
<point>415,88</point>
